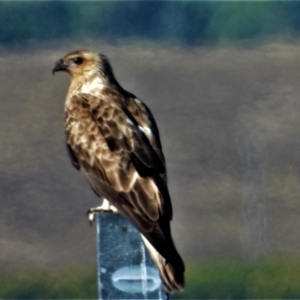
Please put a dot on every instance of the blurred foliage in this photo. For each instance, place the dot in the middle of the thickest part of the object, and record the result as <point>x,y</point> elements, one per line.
<point>272,278</point>
<point>69,283</point>
<point>186,23</point>
<point>216,279</point>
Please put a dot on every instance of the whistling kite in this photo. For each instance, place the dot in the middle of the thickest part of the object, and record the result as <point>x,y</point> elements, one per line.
<point>113,139</point>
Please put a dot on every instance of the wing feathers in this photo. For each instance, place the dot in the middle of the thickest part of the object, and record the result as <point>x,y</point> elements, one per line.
<point>119,150</point>
<point>171,273</point>
<point>73,157</point>
<point>124,153</point>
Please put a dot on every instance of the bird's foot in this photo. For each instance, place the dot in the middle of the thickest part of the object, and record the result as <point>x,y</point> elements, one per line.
<point>104,208</point>
<point>91,213</point>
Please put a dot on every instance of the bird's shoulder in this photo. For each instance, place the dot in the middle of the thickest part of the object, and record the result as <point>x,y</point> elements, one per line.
<point>122,120</point>
<point>145,120</point>
<point>112,102</point>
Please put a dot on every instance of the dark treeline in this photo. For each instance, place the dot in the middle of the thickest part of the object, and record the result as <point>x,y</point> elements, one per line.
<point>187,23</point>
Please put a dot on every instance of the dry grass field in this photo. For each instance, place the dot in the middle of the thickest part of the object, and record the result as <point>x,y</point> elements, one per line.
<point>230,128</point>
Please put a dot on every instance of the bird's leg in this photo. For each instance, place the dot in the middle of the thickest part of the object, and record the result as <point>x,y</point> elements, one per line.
<point>106,207</point>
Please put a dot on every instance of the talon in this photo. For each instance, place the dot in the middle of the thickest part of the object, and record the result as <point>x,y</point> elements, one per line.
<point>104,208</point>
<point>88,213</point>
<point>91,223</point>
<point>91,215</point>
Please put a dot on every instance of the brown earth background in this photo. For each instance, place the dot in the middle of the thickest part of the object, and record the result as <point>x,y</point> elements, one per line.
<point>230,128</point>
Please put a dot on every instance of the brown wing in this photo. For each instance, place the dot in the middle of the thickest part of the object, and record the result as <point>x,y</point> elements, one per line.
<point>144,118</point>
<point>123,162</point>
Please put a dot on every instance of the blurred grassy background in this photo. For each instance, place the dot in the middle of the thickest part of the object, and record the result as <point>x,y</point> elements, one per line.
<point>272,278</point>
<point>187,23</point>
<point>222,79</point>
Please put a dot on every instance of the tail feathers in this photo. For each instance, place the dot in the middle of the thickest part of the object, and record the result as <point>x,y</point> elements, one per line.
<point>171,273</point>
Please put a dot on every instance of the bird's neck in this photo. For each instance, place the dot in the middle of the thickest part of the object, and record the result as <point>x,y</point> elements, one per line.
<point>82,85</point>
<point>92,85</point>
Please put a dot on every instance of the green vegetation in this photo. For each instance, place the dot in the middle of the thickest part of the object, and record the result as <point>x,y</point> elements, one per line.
<point>273,278</point>
<point>212,279</point>
<point>186,23</point>
<point>71,283</point>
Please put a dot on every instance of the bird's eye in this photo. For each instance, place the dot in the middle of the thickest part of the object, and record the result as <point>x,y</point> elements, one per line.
<point>78,60</point>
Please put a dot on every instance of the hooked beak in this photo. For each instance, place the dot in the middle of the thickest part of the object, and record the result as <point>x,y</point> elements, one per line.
<point>59,66</point>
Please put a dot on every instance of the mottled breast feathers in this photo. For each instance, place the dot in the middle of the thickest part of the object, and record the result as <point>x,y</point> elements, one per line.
<point>121,142</point>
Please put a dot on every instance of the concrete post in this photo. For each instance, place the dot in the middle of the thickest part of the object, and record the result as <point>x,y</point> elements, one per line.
<point>125,269</point>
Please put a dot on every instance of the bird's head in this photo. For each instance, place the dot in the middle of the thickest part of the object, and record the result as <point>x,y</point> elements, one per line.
<point>84,64</point>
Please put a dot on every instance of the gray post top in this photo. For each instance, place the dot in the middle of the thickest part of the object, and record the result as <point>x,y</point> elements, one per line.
<point>125,269</point>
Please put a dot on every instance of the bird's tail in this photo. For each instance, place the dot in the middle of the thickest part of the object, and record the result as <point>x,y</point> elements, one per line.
<point>171,272</point>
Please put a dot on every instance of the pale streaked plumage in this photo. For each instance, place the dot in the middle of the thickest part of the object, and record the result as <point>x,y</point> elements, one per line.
<point>113,138</point>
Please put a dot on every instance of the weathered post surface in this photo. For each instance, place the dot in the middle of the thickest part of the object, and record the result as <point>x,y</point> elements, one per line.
<point>125,269</point>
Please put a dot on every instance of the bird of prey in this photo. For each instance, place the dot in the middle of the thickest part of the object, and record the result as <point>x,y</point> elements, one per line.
<point>113,139</point>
